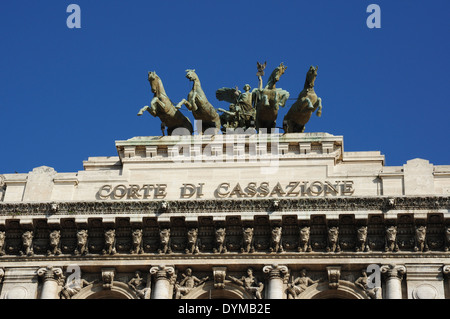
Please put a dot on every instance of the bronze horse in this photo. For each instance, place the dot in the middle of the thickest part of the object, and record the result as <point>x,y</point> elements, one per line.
<point>307,103</point>
<point>200,107</point>
<point>267,100</point>
<point>163,107</point>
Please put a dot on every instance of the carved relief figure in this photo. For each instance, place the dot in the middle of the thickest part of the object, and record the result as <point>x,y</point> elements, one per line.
<point>162,107</point>
<point>110,242</point>
<point>27,244</point>
<point>307,103</point>
<point>140,286</point>
<point>361,239</point>
<point>2,242</point>
<point>220,241</point>
<point>82,243</point>
<point>250,283</point>
<point>276,242</point>
<point>299,285</point>
<point>304,240</point>
<point>137,242</point>
<point>420,239</point>
<point>333,240</point>
<point>391,239</point>
<point>55,243</point>
<point>199,105</point>
<point>268,100</point>
<point>247,240</point>
<point>72,287</point>
<point>192,242</point>
<point>361,282</point>
<point>188,283</point>
<point>165,245</point>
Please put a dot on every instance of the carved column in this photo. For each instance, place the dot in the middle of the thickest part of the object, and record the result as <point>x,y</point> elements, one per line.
<point>393,278</point>
<point>446,272</point>
<point>276,276</point>
<point>52,278</point>
<point>163,281</point>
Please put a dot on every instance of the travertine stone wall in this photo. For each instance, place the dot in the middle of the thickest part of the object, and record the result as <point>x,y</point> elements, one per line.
<point>196,167</point>
<point>294,215</point>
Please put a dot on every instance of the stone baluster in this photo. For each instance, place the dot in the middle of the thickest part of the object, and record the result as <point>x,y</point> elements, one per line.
<point>393,278</point>
<point>52,278</point>
<point>276,278</point>
<point>163,281</point>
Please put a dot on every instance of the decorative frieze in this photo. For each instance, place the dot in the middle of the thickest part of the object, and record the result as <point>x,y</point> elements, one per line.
<point>231,235</point>
<point>199,206</point>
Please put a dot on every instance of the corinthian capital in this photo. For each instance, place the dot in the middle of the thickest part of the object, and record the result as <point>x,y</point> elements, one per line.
<point>392,270</point>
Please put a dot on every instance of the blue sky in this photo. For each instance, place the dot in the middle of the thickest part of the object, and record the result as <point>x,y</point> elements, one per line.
<point>69,94</point>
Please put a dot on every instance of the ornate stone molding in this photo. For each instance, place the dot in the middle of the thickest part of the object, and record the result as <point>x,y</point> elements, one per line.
<point>219,275</point>
<point>108,277</point>
<point>224,205</point>
<point>334,274</point>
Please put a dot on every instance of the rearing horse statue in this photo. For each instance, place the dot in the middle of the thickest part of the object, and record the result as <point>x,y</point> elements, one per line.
<point>163,107</point>
<point>267,100</point>
<point>199,105</point>
<point>307,102</point>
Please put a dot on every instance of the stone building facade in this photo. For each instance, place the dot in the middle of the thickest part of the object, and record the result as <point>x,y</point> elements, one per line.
<point>263,216</point>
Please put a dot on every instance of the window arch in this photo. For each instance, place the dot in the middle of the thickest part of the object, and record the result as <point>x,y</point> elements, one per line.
<point>229,291</point>
<point>346,290</point>
<point>119,290</point>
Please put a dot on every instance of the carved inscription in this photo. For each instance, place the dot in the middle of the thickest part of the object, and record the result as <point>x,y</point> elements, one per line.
<point>230,190</point>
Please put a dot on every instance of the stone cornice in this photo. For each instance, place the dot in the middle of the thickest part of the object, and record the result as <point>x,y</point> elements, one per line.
<point>288,259</point>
